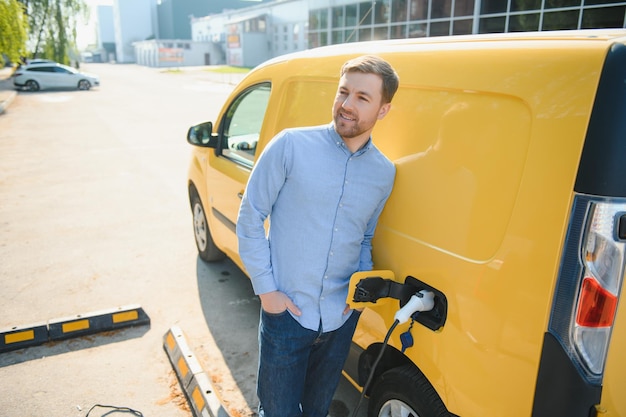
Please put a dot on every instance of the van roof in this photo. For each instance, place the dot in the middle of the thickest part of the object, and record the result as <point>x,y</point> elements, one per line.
<point>405,45</point>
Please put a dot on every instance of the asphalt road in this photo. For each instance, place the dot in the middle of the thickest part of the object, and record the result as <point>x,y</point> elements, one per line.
<point>93,216</point>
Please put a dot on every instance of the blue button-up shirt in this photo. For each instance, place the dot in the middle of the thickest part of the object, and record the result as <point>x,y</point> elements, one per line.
<point>323,203</point>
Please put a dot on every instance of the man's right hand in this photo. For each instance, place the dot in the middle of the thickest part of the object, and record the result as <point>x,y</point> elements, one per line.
<point>276,302</point>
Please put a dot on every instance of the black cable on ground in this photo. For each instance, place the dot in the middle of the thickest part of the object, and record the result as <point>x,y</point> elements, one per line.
<point>371,375</point>
<point>114,410</point>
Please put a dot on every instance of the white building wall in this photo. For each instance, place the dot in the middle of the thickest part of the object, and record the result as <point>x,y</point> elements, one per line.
<point>134,20</point>
<point>168,53</point>
<point>288,27</point>
<point>106,28</point>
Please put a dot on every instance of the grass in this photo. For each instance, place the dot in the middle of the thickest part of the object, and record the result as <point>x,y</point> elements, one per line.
<point>227,69</point>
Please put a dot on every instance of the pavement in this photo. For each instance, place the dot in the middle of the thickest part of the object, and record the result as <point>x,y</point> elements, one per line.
<point>7,91</point>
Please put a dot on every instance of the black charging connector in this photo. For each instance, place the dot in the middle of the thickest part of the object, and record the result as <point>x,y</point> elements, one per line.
<point>371,289</point>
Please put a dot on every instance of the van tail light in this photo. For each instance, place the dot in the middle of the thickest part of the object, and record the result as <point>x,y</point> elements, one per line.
<point>589,283</point>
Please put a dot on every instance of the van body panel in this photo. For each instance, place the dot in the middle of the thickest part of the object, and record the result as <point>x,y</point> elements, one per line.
<point>487,134</point>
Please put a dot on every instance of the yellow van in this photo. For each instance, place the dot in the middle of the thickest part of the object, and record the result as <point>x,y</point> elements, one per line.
<point>509,204</point>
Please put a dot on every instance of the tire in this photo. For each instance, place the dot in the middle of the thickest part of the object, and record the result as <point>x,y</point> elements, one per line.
<point>405,392</point>
<point>84,85</point>
<point>207,250</point>
<point>32,85</point>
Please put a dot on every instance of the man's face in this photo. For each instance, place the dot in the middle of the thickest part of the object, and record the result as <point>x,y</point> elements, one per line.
<point>358,105</point>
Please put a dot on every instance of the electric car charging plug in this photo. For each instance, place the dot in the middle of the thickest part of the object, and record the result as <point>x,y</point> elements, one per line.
<point>421,301</point>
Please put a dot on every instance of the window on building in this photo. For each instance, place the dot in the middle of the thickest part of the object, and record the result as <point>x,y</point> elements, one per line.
<point>440,28</point>
<point>381,33</point>
<point>524,22</point>
<point>350,35</point>
<point>552,4</point>
<point>463,8</point>
<point>324,19</point>
<point>462,27</point>
<point>440,9</point>
<point>365,34</point>
<point>418,9</point>
<point>606,17</point>
<point>591,2</point>
<point>491,25</point>
<point>338,17</point>
<point>399,11</point>
<point>337,37</point>
<point>398,32</point>
<point>314,20</point>
<point>366,13</point>
<point>351,15</point>
<point>318,19</point>
<point>563,20</point>
<point>523,5</point>
<point>493,6</point>
<point>417,30</point>
<point>381,12</point>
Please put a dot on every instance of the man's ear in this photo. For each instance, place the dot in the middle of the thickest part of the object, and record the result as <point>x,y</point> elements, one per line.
<point>384,109</point>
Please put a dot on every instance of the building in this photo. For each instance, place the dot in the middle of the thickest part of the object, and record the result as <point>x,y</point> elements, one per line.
<point>332,22</point>
<point>105,32</point>
<point>246,37</point>
<point>174,17</point>
<point>289,25</point>
<point>134,21</point>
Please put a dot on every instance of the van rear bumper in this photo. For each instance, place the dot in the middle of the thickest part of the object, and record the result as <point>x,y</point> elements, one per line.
<point>561,391</point>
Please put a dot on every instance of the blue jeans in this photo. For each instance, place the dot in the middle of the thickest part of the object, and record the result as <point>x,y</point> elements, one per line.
<point>299,369</point>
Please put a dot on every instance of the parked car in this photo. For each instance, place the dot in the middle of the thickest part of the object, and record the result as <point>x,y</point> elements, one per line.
<point>48,75</point>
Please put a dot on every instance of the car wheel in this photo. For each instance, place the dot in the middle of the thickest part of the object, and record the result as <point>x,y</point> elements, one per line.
<point>204,242</point>
<point>405,392</point>
<point>32,85</point>
<point>84,85</point>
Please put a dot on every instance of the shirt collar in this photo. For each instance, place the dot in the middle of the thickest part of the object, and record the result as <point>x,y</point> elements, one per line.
<point>341,144</point>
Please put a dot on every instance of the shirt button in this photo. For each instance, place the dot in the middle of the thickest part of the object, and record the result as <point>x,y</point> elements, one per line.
<point>322,298</point>
<point>331,254</point>
<point>336,229</point>
<point>325,276</point>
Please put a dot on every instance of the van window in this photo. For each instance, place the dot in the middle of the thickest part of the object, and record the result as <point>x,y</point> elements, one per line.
<point>242,124</point>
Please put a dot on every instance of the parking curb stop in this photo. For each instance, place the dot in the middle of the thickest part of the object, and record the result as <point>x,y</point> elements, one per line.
<point>194,381</point>
<point>19,337</point>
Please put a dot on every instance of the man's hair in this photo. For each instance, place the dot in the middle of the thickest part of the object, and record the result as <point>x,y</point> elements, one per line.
<point>372,64</point>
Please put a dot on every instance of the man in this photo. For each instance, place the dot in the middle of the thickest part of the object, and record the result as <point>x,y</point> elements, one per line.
<point>323,188</point>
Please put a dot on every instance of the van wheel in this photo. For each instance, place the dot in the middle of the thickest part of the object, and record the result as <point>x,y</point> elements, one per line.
<point>405,392</point>
<point>204,242</point>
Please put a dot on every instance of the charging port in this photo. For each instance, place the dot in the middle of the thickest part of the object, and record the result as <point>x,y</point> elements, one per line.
<point>433,319</point>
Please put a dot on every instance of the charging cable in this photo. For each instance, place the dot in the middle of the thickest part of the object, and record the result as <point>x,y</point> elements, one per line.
<point>421,301</point>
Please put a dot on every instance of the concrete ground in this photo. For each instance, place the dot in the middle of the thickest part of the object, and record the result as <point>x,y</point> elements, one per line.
<point>7,91</point>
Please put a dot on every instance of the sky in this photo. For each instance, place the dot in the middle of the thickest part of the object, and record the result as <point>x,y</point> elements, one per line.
<point>86,31</point>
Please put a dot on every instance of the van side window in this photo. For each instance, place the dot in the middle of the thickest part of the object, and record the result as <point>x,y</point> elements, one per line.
<point>242,124</point>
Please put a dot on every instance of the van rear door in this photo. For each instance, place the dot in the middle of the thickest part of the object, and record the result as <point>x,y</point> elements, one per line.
<point>582,365</point>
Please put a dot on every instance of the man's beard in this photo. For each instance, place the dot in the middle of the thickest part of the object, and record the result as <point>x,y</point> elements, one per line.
<point>347,129</point>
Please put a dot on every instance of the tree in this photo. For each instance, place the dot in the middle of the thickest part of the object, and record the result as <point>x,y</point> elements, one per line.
<point>53,27</point>
<point>13,31</point>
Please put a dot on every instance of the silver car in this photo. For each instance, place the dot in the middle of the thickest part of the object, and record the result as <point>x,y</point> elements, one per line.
<point>35,77</point>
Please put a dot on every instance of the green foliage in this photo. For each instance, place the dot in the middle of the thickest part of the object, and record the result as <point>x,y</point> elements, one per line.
<point>13,30</point>
<point>53,27</point>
